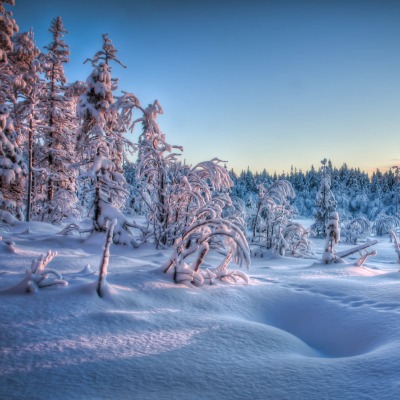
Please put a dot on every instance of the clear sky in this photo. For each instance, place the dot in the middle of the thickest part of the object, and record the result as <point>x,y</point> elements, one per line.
<point>265,84</point>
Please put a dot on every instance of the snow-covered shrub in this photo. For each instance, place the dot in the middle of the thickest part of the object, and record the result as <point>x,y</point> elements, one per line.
<point>37,277</point>
<point>356,229</point>
<point>64,205</point>
<point>196,242</point>
<point>383,224</point>
<point>296,239</point>
<point>273,215</point>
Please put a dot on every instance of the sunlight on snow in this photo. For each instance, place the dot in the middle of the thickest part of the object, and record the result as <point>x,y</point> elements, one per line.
<point>93,348</point>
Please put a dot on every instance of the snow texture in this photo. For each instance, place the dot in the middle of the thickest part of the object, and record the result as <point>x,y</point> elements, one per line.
<point>299,330</point>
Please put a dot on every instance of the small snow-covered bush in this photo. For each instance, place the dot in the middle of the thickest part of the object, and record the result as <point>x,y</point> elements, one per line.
<point>383,224</point>
<point>296,238</point>
<point>196,242</point>
<point>273,215</point>
<point>37,277</point>
<point>356,229</point>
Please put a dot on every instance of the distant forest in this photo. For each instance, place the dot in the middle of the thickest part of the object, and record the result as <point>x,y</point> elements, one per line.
<point>356,193</point>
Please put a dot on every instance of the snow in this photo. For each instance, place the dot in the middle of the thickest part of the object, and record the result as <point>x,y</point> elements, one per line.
<point>299,330</point>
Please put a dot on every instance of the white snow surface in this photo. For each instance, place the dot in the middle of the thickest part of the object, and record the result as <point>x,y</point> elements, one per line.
<point>300,330</point>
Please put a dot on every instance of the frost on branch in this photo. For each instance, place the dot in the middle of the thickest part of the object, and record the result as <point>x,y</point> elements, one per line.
<point>37,277</point>
<point>194,245</point>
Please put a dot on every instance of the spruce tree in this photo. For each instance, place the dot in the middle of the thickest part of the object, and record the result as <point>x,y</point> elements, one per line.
<point>13,168</point>
<point>100,144</point>
<point>325,202</point>
<point>59,124</point>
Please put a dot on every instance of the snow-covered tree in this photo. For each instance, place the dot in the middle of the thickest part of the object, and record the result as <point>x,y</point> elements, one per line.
<point>13,168</point>
<point>332,238</point>
<point>325,202</point>
<point>8,27</point>
<point>59,125</point>
<point>27,87</point>
<point>100,144</point>
<point>175,194</point>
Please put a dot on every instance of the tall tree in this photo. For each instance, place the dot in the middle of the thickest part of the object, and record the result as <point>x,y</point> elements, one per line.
<point>13,168</point>
<point>27,86</point>
<point>100,143</point>
<point>59,125</point>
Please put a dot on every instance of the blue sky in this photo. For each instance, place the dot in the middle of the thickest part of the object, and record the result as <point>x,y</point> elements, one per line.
<point>264,84</point>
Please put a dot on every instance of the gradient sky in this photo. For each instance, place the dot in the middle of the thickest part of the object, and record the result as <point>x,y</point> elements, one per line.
<point>264,84</point>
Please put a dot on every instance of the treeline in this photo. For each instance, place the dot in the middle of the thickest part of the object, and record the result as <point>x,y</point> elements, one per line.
<point>356,193</point>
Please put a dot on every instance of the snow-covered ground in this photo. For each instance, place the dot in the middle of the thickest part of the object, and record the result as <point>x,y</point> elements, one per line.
<point>299,330</point>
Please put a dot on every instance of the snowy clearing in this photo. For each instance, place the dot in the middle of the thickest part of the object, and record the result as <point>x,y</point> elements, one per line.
<point>299,330</point>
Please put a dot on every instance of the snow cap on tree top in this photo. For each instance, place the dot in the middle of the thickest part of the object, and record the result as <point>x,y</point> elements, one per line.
<point>334,215</point>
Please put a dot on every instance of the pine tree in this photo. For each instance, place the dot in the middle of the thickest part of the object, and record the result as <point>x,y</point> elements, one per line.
<point>13,168</point>
<point>8,27</point>
<point>325,202</point>
<point>59,125</point>
<point>27,89</point>
<point>100,143</point>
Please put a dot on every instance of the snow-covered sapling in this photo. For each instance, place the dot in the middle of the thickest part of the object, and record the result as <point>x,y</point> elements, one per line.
<point>332,238</point>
